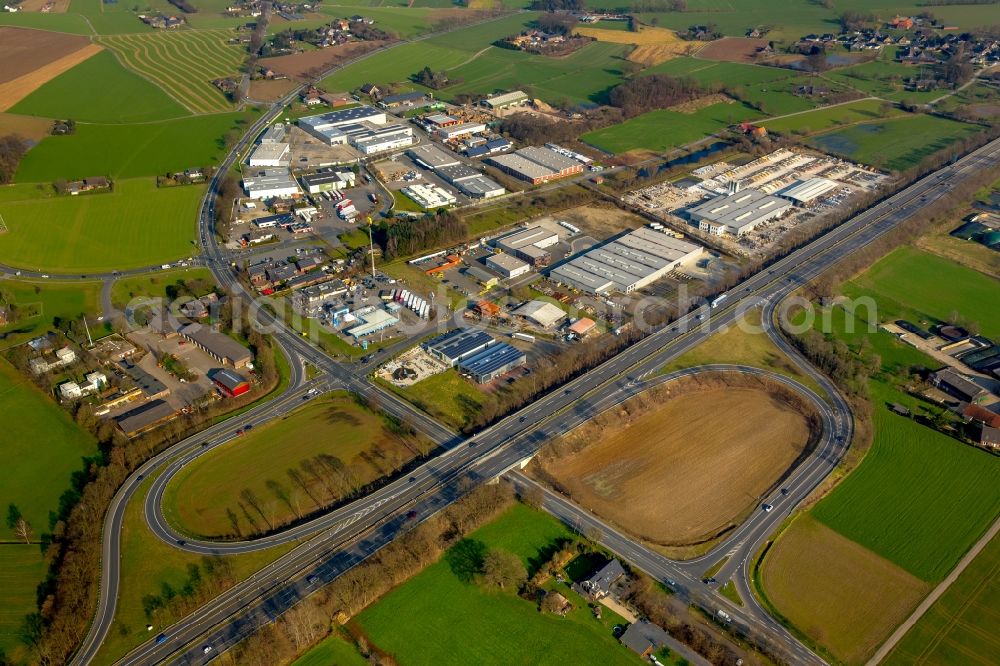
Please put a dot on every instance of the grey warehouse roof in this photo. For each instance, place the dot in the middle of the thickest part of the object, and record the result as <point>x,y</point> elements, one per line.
<point>743,208</point>
<point>492,359</point>
<point>432,156</point>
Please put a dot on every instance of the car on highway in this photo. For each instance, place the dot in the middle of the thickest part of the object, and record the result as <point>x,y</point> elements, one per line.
<point>766,507</point>
<point>784,491</point>
<point>206,649</point>
<point>312,580</point>
<point>709,580</point>
<point>411,514</point>
<point>161,639</point>
<point>239,433</point>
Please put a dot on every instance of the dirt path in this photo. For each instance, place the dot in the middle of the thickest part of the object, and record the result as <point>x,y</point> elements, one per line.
<point>897,635</point>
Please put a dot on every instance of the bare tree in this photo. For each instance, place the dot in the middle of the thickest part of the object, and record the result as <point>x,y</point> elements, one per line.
<point>503,569</point>
<point>23,530</point>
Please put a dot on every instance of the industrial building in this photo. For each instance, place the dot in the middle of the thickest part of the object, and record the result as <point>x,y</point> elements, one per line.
<point>461,130</point>
<point>506,100</point>
<point>804,191</point>
<point>506,265</point>
<point>372,322</point>
<point>429,196</point>
<point>529,244</point>
<point>145,417</point>
<point>458,344</point>
<point>738,213</point>
<point>484,278</point>
<point>270,155</point>
<point>493,362</point>
<point>541,313</point>
<point>326,126</point>
<point>326,181</point>
<point>269,183</point>
<point>627,263</point>
<point>536,165</point>
<point>218,345</point>
<point>480,187</point>
<point>431,157</point>
<point>371,140</point>
<point>274,134</point>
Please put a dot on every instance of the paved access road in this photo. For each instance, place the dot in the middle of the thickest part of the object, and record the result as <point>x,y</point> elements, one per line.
<point>364,526</point>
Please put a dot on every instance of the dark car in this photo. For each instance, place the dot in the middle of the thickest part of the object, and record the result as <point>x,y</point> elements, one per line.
<point>162,638</point>
<point>410,515</point>
<point>784,491</point>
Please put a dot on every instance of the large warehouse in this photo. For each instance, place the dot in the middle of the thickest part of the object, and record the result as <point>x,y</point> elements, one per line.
<point>804,191</point>
<point>432,157</point>
<point>506,100</point>
<point>738,213</point>
<point>627,263</point>
<point>270,154</point>
<point>327,126</point>
<point>536,165</point>
<point>268,183</point>
<point>529,244</point>
<point>493,362</point>
<point>506,265</point>
<point>326,181</point>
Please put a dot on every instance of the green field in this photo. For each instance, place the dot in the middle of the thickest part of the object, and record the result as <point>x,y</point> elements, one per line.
<point>961,626</point>
<point>664,129</point>
<point>866,110</point>
<point>183,63</point>
<point>445,396</point>
<point>898,143</point>
<point>72,95</point>
<point>128,151</point>
<point>197,499</point>
<point>42,449</point>
<point>884,78</point>
<point>331,650</point>
<point>45,300</point>
<point>22,568</point>
<point>154,285</point>
<point>403,21</point>
<point>71,23</point>
<point>136,225</point>
<point>495,627</point>
<point>912,284</point>
<point>147,563</point>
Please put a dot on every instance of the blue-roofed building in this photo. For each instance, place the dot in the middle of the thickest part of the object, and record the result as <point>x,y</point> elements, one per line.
<point>493,362</point>
<point>497,145</point>
<point>478,151</point>
<point>459,344</point>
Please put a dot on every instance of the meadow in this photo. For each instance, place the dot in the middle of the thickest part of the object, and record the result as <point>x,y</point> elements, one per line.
<point>154,285</point>
<point>129,151</point>
<point>136,225</point>
<point>664,129</point>
<point>885,78</point>
<point>912,284</point>
<point>42,449</point>
<point>445,396</point>
<point>205,498</point>
<point>183,63</point>
<point>43,301</point>
<point>496,627</point>
<point>961,625</point>
<point>897,143</point>
<point>818,120</point>
<point>72,95</point>
<point>331,650</point>
<point>150,566</point>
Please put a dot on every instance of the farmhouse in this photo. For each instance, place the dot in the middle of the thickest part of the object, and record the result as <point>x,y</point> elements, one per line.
<point>737,213</point>
<point>64,357</point>
<point>629,262</point>
<point>230,383</point>
<point>458,344</point>
<point>541,313</point>
<point>506,100</point>
<point>536,165</point>
<point>990,437</point>
<point>958,386</point>
<point>218,345</point>
<point>600,582</point>
<point>270,155</point>
<point>408,99</point>
<point>506,265</point>
<point>492,362</point>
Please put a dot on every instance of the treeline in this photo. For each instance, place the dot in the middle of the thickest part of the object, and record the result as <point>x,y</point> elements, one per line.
<point>431,79</point>
<point>401,237</point>
<point>527,128</point>
<point>184,6</point>
<point>945,3</point>
<point>656,91</point>
<point>315,617</point>
<point>68,596</point>
<point>12,149</point>
<point>558,5</point>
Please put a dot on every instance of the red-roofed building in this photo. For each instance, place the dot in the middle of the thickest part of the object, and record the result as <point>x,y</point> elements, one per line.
<point>231,383</point>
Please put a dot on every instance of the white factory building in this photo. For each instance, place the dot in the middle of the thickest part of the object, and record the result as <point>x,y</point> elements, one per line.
<point>269,183</point>
<point>804,191</point>
<point>429,196</point>
<point>506,265</point>
<point>627,263</point>
<point>270,154</point>
<point>365,128</point>
<point>738,213</point>
<point>326,181</point>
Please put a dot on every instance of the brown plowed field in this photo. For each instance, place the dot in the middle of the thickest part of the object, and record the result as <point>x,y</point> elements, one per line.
<point>55,6</point>
<point>30,127</point>
<point>732,49</point>
<point>686,469</point>
<point>268,91</point>
<point>299,65</point>
<point>30,58</point>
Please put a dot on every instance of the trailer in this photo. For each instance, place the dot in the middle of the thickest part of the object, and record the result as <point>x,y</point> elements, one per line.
<point>567,225</point>
<point>523,336</point>
<point>718,299</point>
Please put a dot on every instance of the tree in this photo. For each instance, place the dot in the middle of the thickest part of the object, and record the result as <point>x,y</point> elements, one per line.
<point>23,530</point>
<point>13,515</point>
<point>503,569</point>
<point>12,149</point>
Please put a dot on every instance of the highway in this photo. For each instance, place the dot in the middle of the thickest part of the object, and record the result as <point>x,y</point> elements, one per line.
<point>354,531</point>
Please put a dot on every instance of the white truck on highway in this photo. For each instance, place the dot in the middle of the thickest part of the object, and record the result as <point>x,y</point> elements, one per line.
<point>718,299</point>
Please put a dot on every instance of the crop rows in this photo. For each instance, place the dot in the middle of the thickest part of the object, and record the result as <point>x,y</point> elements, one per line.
<point>182,63</point>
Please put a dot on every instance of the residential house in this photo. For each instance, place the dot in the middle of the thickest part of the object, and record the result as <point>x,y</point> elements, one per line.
<point>600,582</point>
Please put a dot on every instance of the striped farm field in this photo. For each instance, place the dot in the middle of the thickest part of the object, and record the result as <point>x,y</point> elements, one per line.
<point>183,63</point>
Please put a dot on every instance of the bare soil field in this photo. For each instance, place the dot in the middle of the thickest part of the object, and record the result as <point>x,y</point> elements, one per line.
<point>310,63</point>
<point>841,594</point>
<point>54,6</point>
<point>30,127</point>
<point>671,471</point>
<point>268,91</point>
<point>22,51</point>
<point>732,49</point>
<point>30,58</point>
<point>653,45</point>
